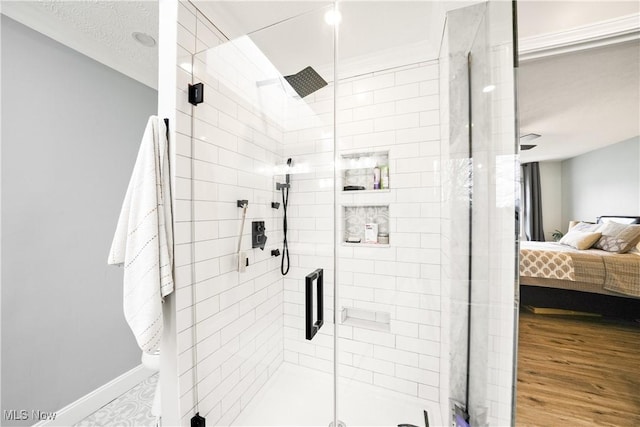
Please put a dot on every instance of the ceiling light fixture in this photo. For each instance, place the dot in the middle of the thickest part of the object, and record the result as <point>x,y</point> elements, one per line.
<point>332,17</point>
<point>529,137</point>
<point>144,39</point>
<point>489,88</point>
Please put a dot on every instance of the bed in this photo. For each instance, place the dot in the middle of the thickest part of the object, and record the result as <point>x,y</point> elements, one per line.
<point>556,265</point>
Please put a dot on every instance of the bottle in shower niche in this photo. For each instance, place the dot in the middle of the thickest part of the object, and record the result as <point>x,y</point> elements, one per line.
<point>376,178</point>
<point>384,177</point>
<point>371,232</point>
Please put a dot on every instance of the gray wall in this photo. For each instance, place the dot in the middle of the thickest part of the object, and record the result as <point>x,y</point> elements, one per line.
<point>71,128</point>
<point>602,182</point>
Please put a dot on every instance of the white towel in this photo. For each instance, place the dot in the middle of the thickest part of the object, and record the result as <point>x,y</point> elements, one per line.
<point>143,241</point>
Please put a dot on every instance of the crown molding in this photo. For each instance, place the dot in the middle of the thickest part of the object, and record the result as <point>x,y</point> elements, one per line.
<point>603,33</point>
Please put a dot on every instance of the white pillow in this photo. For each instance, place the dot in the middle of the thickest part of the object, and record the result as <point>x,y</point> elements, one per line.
<point>583,226</point>
<point>618,238</point>
<point>580,240</point>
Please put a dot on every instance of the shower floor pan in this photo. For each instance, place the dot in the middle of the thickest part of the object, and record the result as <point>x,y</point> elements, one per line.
<point>299,396</point>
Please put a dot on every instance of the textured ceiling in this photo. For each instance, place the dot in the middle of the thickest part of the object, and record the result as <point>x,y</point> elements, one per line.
<point>583,100</point>
<point>99,29</point>
<point>580,101</point>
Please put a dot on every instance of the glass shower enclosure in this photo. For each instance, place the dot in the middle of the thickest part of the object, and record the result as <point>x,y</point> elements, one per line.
<point>347,205</point>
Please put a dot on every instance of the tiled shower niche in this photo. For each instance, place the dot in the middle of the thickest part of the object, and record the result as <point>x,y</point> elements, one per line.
<point>358,171</point>
<point>356,219</point>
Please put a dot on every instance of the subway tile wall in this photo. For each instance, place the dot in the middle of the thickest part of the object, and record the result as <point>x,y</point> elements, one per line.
<point>238,316</point>
<point>445,231</point>
<point>309,143</point>
<point>401,280</point>
<point>247,324</point>
<point>394,111</point>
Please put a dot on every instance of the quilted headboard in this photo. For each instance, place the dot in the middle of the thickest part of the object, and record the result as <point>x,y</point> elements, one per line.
<point>619,219</point>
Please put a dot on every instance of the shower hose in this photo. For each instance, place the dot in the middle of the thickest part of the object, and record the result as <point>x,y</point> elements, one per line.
<point>285,245</point>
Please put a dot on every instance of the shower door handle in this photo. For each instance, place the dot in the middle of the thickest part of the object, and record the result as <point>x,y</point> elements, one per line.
<point>311,326</point>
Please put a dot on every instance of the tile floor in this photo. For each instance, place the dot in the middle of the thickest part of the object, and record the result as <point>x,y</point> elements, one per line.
<point>131,409</point>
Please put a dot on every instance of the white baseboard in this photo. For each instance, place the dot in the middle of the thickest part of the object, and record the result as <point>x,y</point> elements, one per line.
<point>90,403</point>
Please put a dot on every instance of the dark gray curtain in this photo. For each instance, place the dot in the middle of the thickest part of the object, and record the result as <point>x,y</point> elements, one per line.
<point>532,202</point>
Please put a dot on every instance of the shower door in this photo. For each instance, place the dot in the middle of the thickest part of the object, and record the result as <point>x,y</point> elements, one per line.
<point>262,174</point>
<point>494,262</point>
<point>480,194</point>
<point>347,152</point>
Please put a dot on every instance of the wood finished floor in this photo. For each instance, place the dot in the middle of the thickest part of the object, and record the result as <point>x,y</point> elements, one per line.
<point>577,371</point>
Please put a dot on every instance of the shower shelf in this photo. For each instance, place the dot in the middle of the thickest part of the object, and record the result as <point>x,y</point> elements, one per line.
<point>355,218</point>
<point>366,319</point>
<point>357,170</point>
<point>382,190</point>
<point>366,245</point>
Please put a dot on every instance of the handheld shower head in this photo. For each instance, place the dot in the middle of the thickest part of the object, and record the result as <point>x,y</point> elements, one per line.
<point>289,163</point>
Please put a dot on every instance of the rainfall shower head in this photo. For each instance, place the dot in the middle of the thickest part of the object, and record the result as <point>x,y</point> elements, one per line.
<point>306,82</point>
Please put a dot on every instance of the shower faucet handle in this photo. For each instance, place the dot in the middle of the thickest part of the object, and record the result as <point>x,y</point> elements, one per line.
<point>258,238</point>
